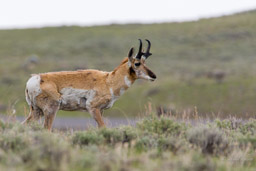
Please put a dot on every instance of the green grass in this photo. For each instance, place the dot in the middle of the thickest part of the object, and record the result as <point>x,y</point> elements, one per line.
<point>154,144</point>
<point>182,55</point>
<point>235,96</point>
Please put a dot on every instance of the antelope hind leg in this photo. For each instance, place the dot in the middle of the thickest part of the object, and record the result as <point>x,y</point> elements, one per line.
<point>50,111</point>
<point>34,115</point>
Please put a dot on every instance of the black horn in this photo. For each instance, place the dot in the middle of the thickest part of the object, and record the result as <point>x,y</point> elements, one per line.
<point>147,53</point>
<point>139,54</point>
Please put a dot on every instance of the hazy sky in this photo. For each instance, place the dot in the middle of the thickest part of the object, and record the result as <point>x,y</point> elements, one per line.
<point>38,13</point>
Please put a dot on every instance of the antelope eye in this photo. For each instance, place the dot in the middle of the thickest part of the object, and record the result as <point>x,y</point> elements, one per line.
<point>137,64</point>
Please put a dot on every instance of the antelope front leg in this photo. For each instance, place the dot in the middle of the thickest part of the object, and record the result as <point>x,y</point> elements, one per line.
<point>96,113</point>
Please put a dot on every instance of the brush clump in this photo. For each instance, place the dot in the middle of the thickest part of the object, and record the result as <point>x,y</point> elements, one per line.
<point>154,143</point>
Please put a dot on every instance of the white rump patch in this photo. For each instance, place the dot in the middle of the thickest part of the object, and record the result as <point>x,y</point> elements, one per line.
<point>127,81</point>
<point>33,89</point>
<point>74,99</point>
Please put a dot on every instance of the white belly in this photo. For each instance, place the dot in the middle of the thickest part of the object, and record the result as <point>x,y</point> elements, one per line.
<point>76,99</point>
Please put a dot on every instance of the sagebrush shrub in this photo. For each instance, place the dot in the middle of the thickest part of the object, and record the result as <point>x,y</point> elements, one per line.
<point>86,138</point>
<point>145,143</point>
<point>109,136</point>
<point>211,141</point>
<point>162,125</point>
<point>171,144</point>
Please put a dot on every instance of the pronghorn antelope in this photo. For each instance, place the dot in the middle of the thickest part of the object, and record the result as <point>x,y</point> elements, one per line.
<point>85,90</point>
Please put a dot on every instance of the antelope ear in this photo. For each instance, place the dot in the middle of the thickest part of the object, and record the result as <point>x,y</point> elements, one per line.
<point>130,54</point>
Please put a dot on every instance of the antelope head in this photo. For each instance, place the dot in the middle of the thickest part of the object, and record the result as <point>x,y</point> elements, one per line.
<point>137,63</point>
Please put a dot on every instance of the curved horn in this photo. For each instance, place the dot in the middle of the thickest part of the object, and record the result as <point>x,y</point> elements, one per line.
<point>147,53</point>
<point>149,46</point>
<point>139,54</point>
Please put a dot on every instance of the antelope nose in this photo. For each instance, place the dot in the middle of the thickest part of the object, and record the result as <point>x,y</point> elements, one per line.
<point>153,76</point>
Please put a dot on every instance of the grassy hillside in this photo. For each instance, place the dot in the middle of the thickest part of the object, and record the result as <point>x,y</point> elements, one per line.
<point>183,54</point>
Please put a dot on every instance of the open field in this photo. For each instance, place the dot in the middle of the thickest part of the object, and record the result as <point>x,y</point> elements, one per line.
<point>155,143</point>
<point>210,63</point>
<point>199,114</point>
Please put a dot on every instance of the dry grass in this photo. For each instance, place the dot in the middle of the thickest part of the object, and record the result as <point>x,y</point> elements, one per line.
<point>156,142</point>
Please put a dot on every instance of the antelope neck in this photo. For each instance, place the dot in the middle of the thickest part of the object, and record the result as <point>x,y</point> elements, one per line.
<point>120,79</point>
